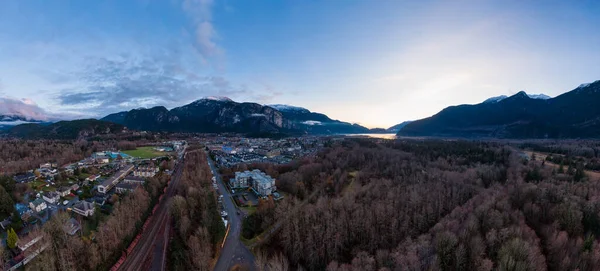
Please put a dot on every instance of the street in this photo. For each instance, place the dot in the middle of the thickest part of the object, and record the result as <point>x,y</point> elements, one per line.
<point>234,252</point>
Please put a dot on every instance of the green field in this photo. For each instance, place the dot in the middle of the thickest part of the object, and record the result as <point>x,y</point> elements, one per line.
<point>145,152</point>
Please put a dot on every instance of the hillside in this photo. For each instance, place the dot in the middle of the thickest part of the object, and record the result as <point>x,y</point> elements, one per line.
<point>66,129</point>
<point>574,114</point>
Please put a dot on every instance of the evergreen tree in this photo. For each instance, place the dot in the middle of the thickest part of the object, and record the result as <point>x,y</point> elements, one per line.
<point>561,168</point>
<point>7,206</point>
<point>579,173</point>
<point>11,239</point>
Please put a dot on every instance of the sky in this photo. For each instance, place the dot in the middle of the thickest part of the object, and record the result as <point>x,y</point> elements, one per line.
<point>376,63</point>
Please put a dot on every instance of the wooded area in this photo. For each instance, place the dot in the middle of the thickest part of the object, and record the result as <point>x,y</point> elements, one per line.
<point>198,225</point>
<point>432,205</point>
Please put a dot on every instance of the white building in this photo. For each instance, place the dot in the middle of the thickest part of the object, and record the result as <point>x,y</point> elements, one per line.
<point>262,183</point>
<point>145,171</point>
<point>38,205</point>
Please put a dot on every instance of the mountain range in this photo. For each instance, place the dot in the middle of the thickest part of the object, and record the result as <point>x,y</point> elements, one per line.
<point>220,114</point>
<point>574,114</point>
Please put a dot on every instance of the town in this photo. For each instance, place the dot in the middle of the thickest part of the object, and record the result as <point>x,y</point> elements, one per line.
<point>87,190</point>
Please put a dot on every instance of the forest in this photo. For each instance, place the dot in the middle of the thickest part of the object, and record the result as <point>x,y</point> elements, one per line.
<point>428,205</point>
<point>197,222</point>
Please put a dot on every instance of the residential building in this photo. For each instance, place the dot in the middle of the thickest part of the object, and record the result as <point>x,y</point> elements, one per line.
<point>126,187</point>
<point>134,180</point>
<point>241,180</point>
<point>114,180</point>
<point>74,187</point>
<point>262,183</point>
<point>24,178</point>
<point>64,191</point>
<point>102,159</point>
<point>92,178</point>
<point>84,208</point>
<point>38,205</point>
<point>72,226</point>
<point>145,171</point>
<point>51,197</point>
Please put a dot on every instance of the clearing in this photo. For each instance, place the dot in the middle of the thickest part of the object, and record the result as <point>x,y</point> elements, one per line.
<point>145,152</point>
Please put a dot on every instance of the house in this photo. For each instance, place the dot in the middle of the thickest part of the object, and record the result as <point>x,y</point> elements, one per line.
<point>64,191</point>
<point>92,178</point>
<point>84,208</point>
<point>72,227</point>
<point>114,180</point>
<point>51,197</point>
<point>126,187</point>
<point>134,180</point>
<point>24,178</point>
<point>38,205</point>
<point>145,171</point>
<point>74,187</point>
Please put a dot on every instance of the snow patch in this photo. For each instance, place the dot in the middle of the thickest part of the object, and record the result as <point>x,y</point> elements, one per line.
<point>258,115</point>
<point>216,98</point>
<point>495,99</point>
<point>587,84</point>
<point>540,96</point>
<point>311,122</point>
<point>285,107</point>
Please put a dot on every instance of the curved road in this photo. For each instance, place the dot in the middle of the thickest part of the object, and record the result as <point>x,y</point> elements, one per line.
<point>234,252</point>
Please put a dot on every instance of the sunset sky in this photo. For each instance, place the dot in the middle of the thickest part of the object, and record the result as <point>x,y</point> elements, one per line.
<point>376,63</point>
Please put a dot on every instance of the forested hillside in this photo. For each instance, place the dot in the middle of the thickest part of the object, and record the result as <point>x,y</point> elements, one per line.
<point>430,205</point>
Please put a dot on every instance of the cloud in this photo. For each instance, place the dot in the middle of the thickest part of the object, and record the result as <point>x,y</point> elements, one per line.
<point>24,108</point>
<point>200,12</point>
<point>111,85</point>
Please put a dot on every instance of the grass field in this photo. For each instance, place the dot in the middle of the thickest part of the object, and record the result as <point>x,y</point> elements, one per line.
<point>145,152</point>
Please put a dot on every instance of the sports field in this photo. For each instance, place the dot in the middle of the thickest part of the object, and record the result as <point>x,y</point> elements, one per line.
<point>145,152</point>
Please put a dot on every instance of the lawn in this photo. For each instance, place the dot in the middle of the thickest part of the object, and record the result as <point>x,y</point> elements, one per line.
<point>145,152</point>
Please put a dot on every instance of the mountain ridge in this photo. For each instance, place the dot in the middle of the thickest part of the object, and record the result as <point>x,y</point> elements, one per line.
<point>573,114</point>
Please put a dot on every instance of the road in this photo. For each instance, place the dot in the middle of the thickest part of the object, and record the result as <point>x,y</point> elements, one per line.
<point>234,252</point>
<point>151,250</point>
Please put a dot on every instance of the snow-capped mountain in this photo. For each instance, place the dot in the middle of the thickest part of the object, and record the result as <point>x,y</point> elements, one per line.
<point>532,96</point>
<point>574,114</point>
